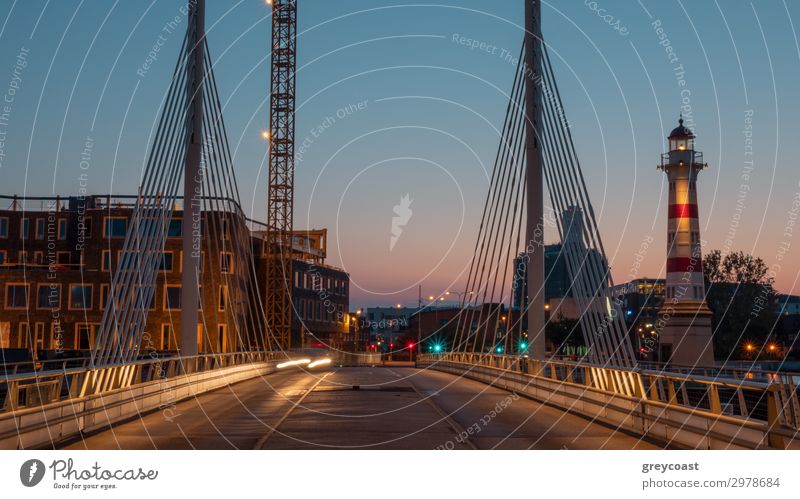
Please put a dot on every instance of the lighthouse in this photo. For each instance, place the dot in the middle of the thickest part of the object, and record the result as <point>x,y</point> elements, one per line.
<point>684,323</point>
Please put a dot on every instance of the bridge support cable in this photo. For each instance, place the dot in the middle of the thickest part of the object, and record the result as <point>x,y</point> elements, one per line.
<point>467,334</point>
<point>581,240</point>
<point>228,235</point>
<point>498,246</point>
<point>221,231</point>
<point>132,283</point>
<point>480,327</point>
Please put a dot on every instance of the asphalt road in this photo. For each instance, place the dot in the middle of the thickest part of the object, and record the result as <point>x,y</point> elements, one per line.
<point>391,408</point>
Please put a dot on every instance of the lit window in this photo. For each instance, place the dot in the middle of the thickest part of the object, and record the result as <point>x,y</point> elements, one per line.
<point>80,297</point>
<point>16,296</point>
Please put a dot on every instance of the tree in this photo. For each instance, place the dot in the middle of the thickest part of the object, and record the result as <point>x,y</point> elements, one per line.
<point>562,332</point>
<point>737,267</point>
<point>741,296</point>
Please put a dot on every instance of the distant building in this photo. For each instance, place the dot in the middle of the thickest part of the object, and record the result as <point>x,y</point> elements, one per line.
<point>641,300</point>
<point>561,287</point>
<point>788,305</point>
<point>320,292</point>
<point>487,328</point>
<point>56,264</point>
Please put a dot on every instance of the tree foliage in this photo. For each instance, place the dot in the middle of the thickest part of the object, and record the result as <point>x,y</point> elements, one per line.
<point>736,267</point>
<point>740,294</point>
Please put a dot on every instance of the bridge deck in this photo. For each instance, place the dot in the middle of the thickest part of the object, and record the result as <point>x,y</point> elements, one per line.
<point>395,408</point>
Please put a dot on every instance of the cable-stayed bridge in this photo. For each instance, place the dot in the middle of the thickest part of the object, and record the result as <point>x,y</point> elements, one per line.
<point>271,393</point>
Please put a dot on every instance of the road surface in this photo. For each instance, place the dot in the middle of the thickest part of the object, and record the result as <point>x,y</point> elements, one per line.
<point>359,408</point>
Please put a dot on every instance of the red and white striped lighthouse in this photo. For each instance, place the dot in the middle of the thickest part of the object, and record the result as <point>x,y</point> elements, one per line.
<point>685,321</point>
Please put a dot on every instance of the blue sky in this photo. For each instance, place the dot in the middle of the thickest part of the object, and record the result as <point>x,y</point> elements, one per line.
<point>410,111</point>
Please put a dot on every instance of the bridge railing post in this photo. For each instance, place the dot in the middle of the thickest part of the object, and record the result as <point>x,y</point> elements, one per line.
<point>774,417</point>
<point>714,404</point>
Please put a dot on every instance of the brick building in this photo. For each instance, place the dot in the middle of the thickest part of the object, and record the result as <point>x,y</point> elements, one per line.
<point>57,260</point>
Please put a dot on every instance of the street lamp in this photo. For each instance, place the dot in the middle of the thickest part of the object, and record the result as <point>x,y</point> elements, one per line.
<point>461,294</point>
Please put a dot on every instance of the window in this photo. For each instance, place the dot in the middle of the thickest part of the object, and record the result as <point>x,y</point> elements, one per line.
<point>84,228</point>
<point>166,336</point>
<point>172,298</point>
<point>24,336</point>
<point>223,297</point>
<point>175,228</point>
<point>224,228</point>
<point>80,297</point>
<point>4,227</point>
<point>38,341</point>
<point>5,335</point>
<point>226,263</point>
<point>48,296</point>
<point>115,227</point>
<point>145,297</point>
<point>222,337</point>
<point>38,257</point>
<point>128,259</point>
<point>166,261</point>
<point>62,229</point>
<point>84,336</point>
<point>63,257</point>
<point>106,265</point>
<point>2,257</point>
<point>40,228</point>
<point>23,257</point>
<point>104,288</point>
<point>24,228</point>
<point>17,296</point>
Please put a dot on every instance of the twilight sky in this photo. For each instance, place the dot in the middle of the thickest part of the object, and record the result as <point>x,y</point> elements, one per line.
<point>389,104</point>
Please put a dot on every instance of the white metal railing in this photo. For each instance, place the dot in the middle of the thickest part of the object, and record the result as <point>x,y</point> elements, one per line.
<point>55,381</point>
<point>769,399</point>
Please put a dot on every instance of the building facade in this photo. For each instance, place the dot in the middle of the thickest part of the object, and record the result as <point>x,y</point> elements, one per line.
<point>57,261</point>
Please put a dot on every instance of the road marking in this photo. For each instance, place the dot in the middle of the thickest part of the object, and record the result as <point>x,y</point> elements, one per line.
<point>452,422</point>
<point>263,440</point>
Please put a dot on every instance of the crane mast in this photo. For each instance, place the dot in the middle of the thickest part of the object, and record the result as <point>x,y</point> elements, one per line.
<point>280,196</point>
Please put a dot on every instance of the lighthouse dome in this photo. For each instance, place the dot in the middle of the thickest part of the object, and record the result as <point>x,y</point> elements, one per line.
<point>681,131</point>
